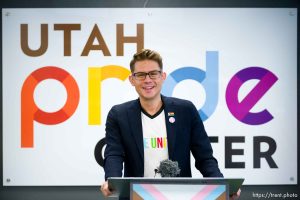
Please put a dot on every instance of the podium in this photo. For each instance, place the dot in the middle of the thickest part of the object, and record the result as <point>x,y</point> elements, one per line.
<point>174,188</point>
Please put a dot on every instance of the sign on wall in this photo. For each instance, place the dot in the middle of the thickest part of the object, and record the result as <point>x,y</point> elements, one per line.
<point>63,69</point>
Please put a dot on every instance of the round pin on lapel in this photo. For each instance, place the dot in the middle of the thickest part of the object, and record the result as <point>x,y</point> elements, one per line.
<point>172,120</point>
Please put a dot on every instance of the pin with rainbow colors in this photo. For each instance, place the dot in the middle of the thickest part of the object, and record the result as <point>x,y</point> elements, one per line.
<point>171,116</point>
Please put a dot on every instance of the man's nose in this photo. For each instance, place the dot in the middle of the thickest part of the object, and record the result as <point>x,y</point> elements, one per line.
<point>147,78</point>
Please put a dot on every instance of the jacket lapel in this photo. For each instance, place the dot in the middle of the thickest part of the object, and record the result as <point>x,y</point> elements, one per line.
<point>135,121</point>
<point>171,124</point>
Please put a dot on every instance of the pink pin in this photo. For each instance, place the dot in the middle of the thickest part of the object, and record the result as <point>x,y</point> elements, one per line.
<point>172,120</point>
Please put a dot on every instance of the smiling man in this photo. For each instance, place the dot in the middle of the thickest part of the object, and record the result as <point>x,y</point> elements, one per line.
<point>152,128</point>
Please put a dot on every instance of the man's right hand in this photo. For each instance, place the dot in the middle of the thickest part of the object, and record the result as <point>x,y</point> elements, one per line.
<point>105,190</point>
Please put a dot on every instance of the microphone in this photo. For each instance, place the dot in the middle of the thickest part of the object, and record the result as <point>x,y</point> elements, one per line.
<point>168,168</point>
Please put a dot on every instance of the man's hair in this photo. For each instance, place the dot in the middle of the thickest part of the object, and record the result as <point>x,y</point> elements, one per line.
<point>146,54</point>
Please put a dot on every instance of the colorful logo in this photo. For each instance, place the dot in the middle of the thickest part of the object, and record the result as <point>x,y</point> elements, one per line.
<point>208,79</point>
<point>241,109</point>
<point>30,111</point>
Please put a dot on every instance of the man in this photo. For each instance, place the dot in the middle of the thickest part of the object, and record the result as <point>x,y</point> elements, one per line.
<point>143,132</point>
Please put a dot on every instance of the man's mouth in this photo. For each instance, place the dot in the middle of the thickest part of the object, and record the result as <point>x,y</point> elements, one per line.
<point>148,88</point>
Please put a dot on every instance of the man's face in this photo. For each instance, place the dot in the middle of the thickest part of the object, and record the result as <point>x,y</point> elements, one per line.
<point>148,88</point>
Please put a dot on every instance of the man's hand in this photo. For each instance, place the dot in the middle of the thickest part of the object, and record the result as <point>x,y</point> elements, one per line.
<point>105,190</point>
<point>236,195</point>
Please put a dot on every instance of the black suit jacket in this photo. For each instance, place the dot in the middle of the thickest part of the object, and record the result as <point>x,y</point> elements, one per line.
<point>124,139</point>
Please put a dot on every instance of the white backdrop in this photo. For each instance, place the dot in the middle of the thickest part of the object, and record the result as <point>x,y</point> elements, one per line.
<point>63,154</point>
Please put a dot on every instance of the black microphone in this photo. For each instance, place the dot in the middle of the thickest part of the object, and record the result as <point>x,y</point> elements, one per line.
<point>168,168</point>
